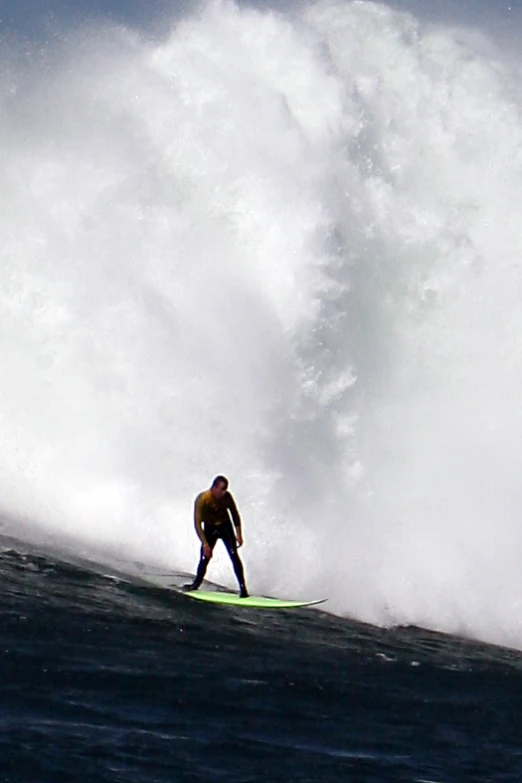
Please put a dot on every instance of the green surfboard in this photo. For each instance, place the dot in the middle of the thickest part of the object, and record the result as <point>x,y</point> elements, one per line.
<point>253,601</point>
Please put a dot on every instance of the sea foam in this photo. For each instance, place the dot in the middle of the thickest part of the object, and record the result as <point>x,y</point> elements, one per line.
<point>285,247</point>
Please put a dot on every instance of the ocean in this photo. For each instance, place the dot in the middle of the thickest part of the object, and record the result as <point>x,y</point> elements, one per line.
<point>281,244</point>
<point>108,679</point>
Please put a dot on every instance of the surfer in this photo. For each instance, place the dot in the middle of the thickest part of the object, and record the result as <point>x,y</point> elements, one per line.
<point>213,510</point>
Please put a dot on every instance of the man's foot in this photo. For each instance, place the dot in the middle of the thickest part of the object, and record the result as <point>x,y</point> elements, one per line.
<point>190,587</point>
<point>243,592</point>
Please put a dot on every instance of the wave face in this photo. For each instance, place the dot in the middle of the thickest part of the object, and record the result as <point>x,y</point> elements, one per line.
<point>285,247</point>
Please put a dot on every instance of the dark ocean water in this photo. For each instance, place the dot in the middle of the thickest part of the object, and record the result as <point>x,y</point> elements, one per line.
<point>107,680</point>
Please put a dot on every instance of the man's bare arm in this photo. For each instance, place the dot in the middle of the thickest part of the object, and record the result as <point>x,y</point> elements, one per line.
<point>198,522</point>
<point>236,519</point>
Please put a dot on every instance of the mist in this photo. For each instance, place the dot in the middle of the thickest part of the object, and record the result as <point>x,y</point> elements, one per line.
<point>303,272</point>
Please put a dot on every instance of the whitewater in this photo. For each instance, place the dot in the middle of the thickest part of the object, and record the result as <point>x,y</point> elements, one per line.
<point>286,247</point>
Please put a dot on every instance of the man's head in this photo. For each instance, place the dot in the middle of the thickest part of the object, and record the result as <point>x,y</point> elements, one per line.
<point>219,487</point>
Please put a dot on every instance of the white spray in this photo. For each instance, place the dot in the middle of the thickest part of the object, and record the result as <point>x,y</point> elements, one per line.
<point>286,248</point>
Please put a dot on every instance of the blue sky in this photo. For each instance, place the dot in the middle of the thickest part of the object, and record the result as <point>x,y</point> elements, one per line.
<point>21,14</point>
<point>36,19</point>
<point>30,17</point>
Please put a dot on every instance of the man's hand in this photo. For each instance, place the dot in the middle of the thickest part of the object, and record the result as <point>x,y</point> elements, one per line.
<point>207,552</point>
<point>239,539</point>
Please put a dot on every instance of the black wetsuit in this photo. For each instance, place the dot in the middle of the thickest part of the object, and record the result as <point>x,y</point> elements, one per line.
<point>212,517</point>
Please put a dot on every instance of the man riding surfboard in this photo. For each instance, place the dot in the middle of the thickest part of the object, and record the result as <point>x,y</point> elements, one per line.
<point>214,512</point>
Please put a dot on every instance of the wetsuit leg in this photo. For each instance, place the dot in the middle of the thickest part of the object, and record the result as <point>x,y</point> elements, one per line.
<point>212,535</point>
<point>229,540</point>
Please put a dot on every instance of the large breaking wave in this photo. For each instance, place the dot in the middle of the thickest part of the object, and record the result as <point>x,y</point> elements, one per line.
<point>286,247</point>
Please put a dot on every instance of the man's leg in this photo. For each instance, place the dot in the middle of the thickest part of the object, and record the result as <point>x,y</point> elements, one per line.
<point>203,561</point>
<point>229,540</point>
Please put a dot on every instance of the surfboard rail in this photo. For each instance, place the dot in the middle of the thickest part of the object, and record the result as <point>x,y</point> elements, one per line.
<point>252,602</point>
